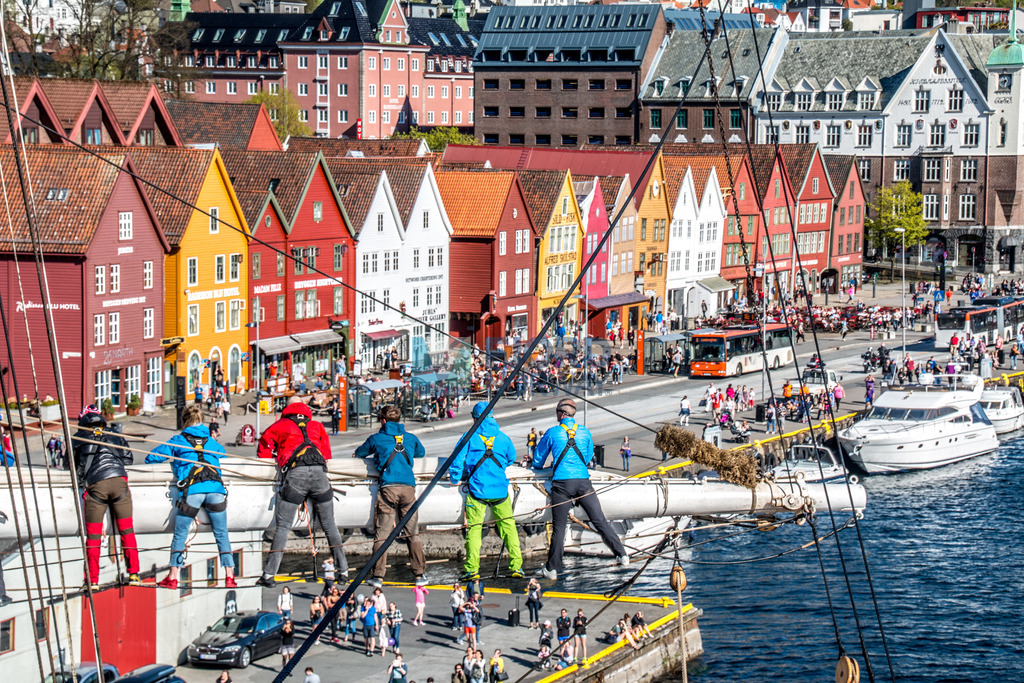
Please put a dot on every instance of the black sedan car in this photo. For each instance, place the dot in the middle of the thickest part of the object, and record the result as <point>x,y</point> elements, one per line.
<point>151,673</point>
<point>238,639</point>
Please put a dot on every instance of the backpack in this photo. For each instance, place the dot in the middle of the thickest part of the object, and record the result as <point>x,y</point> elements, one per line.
<point>307,453</point>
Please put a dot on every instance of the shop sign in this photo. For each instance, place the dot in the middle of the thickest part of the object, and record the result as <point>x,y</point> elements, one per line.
<point>22,306</point>
<point>131,301</point>
<point>321,282</point>
<point>211,294</point>
<point>121,251</point>
<point>267,289</point>
<point>515,309</point>
<point>378,321</point>
<point>118,355</point>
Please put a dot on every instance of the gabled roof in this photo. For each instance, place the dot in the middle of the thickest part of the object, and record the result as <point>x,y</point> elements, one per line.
<point>356,191</point>
<point>72,190</point>
<point>405,178</point>
<point>611,186</point>
<point>218,30</point>
<point>541,190</point>
<point>798,158</point>
<point>474,200</point>
<point>130,101</point>
<point>595,34</point>
<point>339,147</point>
<point>231,126</point>
<point>180,173</point>
<point>690,19</point>
<point>285,174</point>
<point>445,37</point>
<point>701,168</point>
<point>583,162</point>
<point>27,91</point>
<point>838,167</point>
<point>71,99</point>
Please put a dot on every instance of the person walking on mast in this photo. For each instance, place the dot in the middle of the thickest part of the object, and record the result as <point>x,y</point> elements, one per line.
<point>195,461</point>
<point>100,458</point>
<point>393,451</point>
<point>571,448</point>
<point>481,464</point>
<point>302,449</point>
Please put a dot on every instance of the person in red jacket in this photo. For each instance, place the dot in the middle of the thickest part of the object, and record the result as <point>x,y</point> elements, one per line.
<point>302,450</point>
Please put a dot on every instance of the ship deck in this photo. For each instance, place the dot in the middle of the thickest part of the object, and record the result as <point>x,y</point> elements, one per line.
<point>431,650</point>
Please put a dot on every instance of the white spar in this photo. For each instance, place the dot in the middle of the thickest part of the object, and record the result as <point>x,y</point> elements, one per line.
<point>251,492</point>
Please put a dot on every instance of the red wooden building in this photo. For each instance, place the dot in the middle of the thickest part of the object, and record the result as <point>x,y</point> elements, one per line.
<point>814,201</point>
<point>848,212</point>
<point>481,205</point>
<point>104,255</point>
<point>306,319</point>
<point>234,125</point>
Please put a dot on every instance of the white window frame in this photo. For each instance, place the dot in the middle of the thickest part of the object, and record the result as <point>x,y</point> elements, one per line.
<point>114,328</point>
<point>125,228</point>
<point>192,320</point>
<point>147,275</point>
<point>99,329</point>
<point>148,323</point>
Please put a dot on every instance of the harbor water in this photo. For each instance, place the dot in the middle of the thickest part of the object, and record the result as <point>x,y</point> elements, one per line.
<point>945,555</point>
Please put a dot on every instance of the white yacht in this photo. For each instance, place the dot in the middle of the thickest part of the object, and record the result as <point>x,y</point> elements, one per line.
<point>1004,408</point>
<point>811,463</point>
<point>921,427</point>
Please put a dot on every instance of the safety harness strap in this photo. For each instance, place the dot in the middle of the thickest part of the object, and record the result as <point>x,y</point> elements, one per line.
<point>399,448</point>
<point>570,444</point>
<point>488,455</point>
<point>307,453</point>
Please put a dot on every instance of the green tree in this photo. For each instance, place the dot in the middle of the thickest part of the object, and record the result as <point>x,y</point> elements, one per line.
<point>284,110</point>
<point>897,206</point>
<point>847,25</point>
<point>438,138</point>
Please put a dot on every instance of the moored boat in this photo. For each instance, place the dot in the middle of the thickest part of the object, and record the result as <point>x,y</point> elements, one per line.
<point>1004,408</point>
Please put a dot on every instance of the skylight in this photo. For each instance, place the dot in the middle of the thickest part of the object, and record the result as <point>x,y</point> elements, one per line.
<point>334,9</point>
<point>260,35</point>
<point>361,8</point>
<point>433,39</point>
<point>282,34</point>
<point>239,34</point>
<point>218,35</point>
<point>198,34</point>
<point>444,37</point>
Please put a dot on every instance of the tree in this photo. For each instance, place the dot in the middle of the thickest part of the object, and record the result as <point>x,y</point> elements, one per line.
<point>284,110</point>
<point>847,24</point>
<point>897,206</point>
<point>438,138</point>
<point>110,41</point>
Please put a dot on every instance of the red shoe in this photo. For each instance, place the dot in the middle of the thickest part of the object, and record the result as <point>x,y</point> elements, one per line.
<point>169,583</point>
<point>229,582</point>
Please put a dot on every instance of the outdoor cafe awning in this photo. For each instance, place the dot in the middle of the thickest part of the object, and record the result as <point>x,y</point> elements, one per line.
<point>382,385</point>
<point>716,284</point>
<point>317,337</point>
<point>384,334</point>
<point>276,345</point>
<point>616,300</point>
<point>432,377</point>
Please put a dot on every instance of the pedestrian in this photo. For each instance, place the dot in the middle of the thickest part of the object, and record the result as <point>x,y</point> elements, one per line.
<point>563,629</point>
<point>531,442</point>
<point>869,391</point>
<point>455,600</point>
<point>398,672</point>
<point>496,668</point>
<point>469,612</point>
<point>481,465</point>
<point>316,610</point>
<point>335,416</point>
<point>351,616</point>
<point>329,574</point>
<point>459,675</point>
<point>420,594</point>
<point>100,460</point>
<point>579,632</point>
<point>225,405</point>
<point>225,677</point>
<point>51,446</point>
<point>302,449</point>
<point>571,448</point>
<point>533,602</point>
<point>684,411</point>
<point>393,451</point>
<point>394,622</point>
<point>477,668</point>
<point>287,648</point>
<point>310,676</point>
<point>626,452</point>
<point>368,615</point>
<point>285,603</point>
<point>838,394</point>
<point>329,601</point>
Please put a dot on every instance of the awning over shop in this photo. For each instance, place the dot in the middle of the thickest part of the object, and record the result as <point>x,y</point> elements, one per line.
<point>432,377</point>
<point>1008,242</point>
<point>276,345</point>
<point>616,300</point>
<point>382,385</point>
<point>716,284</point>
<point>384,334</point>
<point>317,337</point>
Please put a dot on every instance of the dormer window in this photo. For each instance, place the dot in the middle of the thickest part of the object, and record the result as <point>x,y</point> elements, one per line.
<point>835,101</point>
<point>866,100</point>
<point>324,34</point>
<point>803,101</point>
<point>773,101</point>
<point>684,85</point>
<point>659,87</point>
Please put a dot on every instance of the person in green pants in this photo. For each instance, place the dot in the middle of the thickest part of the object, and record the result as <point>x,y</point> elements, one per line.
<point>481,466</point>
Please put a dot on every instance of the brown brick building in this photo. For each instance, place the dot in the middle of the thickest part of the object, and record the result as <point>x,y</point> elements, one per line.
<point>564,76</point>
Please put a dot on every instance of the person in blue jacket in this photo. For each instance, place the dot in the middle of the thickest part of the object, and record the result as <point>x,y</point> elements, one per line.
<point>195,462</point>
<point>393,451</point>
<point>481,464</point>
<point>571,448</point>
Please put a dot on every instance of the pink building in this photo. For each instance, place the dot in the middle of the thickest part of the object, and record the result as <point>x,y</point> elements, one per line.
<point>596,285</point>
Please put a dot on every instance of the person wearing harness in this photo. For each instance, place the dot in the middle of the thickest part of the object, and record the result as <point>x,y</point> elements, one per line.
<point>302,449</point>
<point>571,447</point>
<point>195,461</point>
<point>100,458</point>
<point>393,451</point>
<point>481,464</point>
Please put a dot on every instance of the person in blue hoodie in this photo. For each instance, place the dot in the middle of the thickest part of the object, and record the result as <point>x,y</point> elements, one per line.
<point>195,462</point>
<point>481,464</point>
<point>571,448</point>
<point>393,451</point>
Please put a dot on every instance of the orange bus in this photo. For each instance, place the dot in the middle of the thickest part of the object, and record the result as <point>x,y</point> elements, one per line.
<point>735,351</point>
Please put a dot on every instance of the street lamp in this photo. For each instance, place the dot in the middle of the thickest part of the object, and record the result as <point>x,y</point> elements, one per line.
<point>582,299</point>
<point>258,375</point>
<point>903,287</point>
<point>761,272</point>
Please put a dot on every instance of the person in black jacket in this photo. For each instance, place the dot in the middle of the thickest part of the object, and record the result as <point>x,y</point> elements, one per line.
<point>100,457</point>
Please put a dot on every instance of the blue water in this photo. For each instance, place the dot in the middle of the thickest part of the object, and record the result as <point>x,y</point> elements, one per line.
<point>945,555</point>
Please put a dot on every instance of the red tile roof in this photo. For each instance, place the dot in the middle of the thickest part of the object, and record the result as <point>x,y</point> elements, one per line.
<point>229,125</point>
<point>404,175</point>
<point>356,190</point>
<point>474,200</point>
<point>71,188</point>
<point>286,173</point>
<point>798,160</point>
<point>541,190</point>
<point>338,147</point>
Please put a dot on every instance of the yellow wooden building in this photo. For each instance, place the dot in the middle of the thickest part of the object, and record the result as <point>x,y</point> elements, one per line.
<point>654,215</point>
<point>206,271</point>
<point>552,203</point>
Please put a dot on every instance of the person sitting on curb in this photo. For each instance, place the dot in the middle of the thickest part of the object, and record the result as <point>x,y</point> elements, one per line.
<point>195,462</point>
<point>481,464</point>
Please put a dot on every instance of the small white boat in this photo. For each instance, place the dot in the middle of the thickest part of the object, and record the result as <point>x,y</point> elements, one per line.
<point>921,427</point>
<point>1004,408</point>
<point>812,464</point>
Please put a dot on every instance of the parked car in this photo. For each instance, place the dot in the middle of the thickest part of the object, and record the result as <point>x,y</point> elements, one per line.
<point>86,672</point>
<point>238,639</point>
<point>151,673</point>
